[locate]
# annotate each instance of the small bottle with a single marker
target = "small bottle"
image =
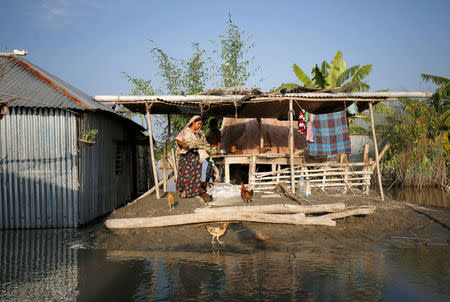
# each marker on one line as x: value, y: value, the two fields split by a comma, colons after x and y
x: 308, y: 187
x: 302, y: 186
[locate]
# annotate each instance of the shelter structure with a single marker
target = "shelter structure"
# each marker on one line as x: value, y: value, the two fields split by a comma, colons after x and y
x: 52, y: 174
x: 281, y: 106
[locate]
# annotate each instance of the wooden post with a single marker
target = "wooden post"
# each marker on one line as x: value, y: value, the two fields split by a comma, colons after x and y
x: 366, y: 154
x: 165, y: 155
x: 274, y: 169
x: 372, y: 125
x: 175, y: 164
x: 291, y: 144
x: 164, y: 159
x: 366, y: 181
x: 252, y: 169
x: 346, y: 178
x: 261, y: 136
x: 152, y: 154
x: 227, y: 170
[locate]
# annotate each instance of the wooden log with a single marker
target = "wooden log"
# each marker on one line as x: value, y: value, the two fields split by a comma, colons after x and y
x: 277, y: 209
x: 172, y: 220
x: 284, y: 188
x: 377, y: 157
x: 357, y: 211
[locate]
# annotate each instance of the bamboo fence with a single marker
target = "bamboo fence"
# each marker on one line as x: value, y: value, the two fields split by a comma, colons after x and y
x: 320, y: 175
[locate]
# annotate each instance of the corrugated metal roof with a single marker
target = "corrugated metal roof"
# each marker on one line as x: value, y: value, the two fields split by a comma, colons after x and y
x: 36, y: 87
x: 251, y: 106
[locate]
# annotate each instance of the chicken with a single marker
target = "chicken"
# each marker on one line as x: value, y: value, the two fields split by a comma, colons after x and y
x: 206, y: 197
x: 170, y: 200
x: 246, y: 194
x: 216, y: 232
x: 234, y: 149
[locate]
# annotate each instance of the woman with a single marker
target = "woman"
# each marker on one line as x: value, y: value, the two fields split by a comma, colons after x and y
x: 192, y: 148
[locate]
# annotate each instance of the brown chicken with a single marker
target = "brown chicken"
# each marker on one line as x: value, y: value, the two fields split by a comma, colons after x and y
x: 216, y: 232
x: 170, y: 200
x: 206, y: 197
x: 246, y: 194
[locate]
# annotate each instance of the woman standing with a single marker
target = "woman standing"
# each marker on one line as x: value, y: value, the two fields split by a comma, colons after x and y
x: 192, y: 148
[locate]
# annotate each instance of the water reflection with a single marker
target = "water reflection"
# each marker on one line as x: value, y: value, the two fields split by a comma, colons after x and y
x: 50, y: 265
x: 428, y: 196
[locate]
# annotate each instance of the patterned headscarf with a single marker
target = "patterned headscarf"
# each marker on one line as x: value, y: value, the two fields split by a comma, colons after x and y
x: 180, y: 135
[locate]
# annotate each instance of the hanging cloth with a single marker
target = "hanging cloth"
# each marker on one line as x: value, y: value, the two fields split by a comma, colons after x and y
x: 331, y: 135
x: 309, y: 128
x: 302, y: 122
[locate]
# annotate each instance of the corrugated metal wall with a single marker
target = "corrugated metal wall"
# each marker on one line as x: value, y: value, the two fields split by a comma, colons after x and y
x: 38, y: 169
x: 106, y: 168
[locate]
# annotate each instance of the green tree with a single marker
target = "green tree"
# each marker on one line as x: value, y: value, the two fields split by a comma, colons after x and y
x: 190, y: 76
x: 417, y: 155
x: 235, y: 63
x: 440, y: 100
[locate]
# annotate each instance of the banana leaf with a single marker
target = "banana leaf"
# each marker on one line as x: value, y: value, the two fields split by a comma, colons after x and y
x: 302, y: 76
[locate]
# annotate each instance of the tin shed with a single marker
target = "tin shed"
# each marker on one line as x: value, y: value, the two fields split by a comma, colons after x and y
x: 48, y: 177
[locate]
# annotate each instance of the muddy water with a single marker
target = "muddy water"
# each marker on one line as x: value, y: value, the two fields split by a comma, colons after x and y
x: 428, y: 196
x: 59, y: 265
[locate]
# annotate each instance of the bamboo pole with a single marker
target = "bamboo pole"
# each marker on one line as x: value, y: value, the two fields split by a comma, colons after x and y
x: 291, y: 144
x: 381, y: 155
x: 377, y: 158
x: 165, y: 155
x: 152, y: 154
x: 175, y: 164
x: 171, y: 174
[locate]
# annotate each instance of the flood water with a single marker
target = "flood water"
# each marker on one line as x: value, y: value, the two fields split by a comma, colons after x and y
x: 59, y: 265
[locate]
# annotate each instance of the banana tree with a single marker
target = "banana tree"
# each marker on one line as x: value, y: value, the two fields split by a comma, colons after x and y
x: 335, y: 74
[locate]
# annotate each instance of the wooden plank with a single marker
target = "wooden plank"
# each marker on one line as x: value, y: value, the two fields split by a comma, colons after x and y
x: 352, y: 212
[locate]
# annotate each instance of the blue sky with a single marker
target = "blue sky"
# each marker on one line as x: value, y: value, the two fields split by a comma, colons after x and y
x: 88, y: 43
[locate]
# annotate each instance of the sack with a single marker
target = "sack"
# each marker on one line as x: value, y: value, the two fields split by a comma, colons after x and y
x: 225, y: 192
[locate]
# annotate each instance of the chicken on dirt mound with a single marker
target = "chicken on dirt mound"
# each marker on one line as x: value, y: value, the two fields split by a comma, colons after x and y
x: 246, y: 194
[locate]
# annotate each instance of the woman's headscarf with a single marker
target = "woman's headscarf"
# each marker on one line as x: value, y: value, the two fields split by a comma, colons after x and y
x: 180, y: 135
